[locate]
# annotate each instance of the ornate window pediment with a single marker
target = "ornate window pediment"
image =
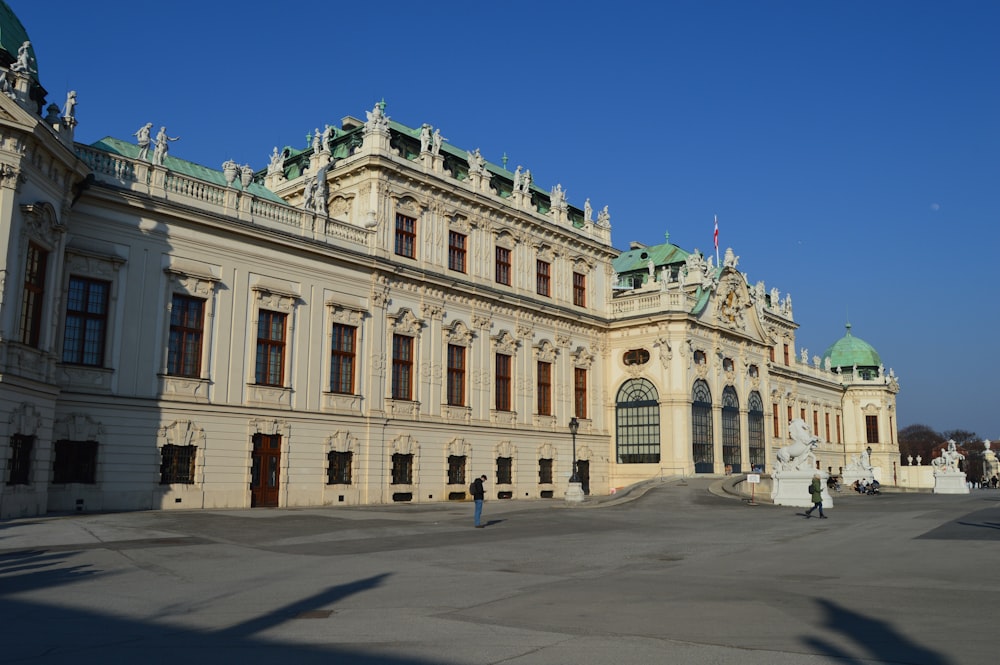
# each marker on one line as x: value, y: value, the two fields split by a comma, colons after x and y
x: 42, y: 223
x: 505, y: 343
x: 545, y: 351
x: 405, y: 322
x: 459, y: 334
x: 346, y: 314
x: 582, y: 358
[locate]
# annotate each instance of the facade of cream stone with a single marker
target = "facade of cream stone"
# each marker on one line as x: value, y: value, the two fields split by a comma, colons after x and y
x: 404, y: 245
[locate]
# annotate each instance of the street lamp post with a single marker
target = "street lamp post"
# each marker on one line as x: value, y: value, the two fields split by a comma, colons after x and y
x: 574, y: 427
x: 574, y: 491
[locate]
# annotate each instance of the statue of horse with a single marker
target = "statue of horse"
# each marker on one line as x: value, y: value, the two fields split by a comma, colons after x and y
x: 795, y: 455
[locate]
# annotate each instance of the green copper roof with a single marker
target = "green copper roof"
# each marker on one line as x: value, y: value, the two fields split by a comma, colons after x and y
x: 849, y: 351
x: 638, y: 259
x: 12, y: 35
x: 131, y: 150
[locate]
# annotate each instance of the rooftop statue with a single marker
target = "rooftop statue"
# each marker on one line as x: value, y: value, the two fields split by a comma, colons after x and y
x: 276, y: 165
x: 69, y: 108
x: 476, y: 161
x: 378, y: 121
x: 142, y: 138
x: 517, y: 179
x: 22, y: 64
x: 588, y: 211
x: 325, y: 139
x: 436, y: 141
x: 316, y: 141
x: 161, y: 146
x: 604, y: 218
x: 558, y: 196
x: 425, y: 137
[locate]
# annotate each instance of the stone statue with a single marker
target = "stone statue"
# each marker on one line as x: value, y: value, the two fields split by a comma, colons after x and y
x: 517, y: 179
x: 588, y: 211
x: 69, y: 109
x: 425, y: 137
x: 160, y: 148
x: 804, y: 356
x: 651, y: 269
x: 476, y: 161
x: 730, y: 260
x: 320, y: 190
x: 949, y: 459
x: 558, y: 196
x: 378, y: 121
x: 276, y: 165
x: 436, y: 141
x: 324, y: 142
x: 142, y: 138
x: 22, y: 64
x: 798, y: 454
x: 526, y: 181
x: 604, y: 218
x: 316, y: 142
x: 309, y: 194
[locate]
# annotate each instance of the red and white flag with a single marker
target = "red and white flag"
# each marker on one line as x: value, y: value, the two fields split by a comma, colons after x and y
x: 716, y: 233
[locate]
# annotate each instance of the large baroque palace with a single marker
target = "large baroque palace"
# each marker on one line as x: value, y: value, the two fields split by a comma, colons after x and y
x: 377, y: 318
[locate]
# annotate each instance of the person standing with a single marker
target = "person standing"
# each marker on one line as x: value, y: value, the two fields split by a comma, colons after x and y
x: 816, y: 490
x: 477, y: 495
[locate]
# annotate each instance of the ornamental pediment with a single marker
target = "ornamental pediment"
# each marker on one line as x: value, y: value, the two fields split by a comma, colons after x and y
x: 735, y: 308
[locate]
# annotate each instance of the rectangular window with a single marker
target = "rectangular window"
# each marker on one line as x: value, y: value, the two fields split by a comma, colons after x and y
x: 456, y: 251
x: 187, y: 330
x: 86, y: 322
x: 789, y: 414
x: 74, y: 462
x: 786, y: 354
x: 503, y: 265
x: 802, y: 414
x: 20, y: 459
x: 456, y: 375
x: 34, y: 295
x: 580, y: 392
x: 545, y: 472
x: 406, y: 236
x: 402, y: 469
x: 771, y: 353
x: 456, y: 469
x: 871, y: 428
x: 579, y: 289
x: 777, y: 422
x: 503, y: 382
x: 177, y: 464
x: 816, y: 423
x: 505, y: 467
x: 342, y: 359
x: 270, y: 348
x: 402, y: 367
x: 338, y: 471
x: 826, y: 417
x: 838, y: 429
x: 542, y: 277
x: 544, y: 388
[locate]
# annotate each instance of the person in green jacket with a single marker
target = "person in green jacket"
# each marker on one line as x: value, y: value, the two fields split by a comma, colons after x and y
x: 816, y: 489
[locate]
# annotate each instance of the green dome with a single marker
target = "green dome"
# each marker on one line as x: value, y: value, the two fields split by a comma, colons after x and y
x: 849, y: 351
x: 12, y: 36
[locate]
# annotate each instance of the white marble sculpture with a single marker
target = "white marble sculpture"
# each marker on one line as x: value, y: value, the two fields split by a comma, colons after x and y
x: 949, y: 459
x: 161, y: 145
x: 799, y: 453
x: 142, y: 137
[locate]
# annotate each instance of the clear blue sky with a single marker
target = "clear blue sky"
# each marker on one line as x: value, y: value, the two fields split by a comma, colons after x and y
x: 849, y: 147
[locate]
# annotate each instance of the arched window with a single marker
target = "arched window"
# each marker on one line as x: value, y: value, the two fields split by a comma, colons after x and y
x: 755, y: 427
x: 702, y: 436
x: 637, y: 416
x: 731, y: 430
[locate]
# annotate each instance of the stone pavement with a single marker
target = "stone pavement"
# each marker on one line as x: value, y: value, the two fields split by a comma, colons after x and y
x: 673, y: 575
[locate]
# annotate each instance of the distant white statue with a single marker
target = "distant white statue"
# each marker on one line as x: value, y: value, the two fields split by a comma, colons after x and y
x: 588, y: 211
x: 161, y: 146
x: 604, y: 218
x: 69, y: 109
x: 558, y: 196
x: 22, y: 64
x: 476, y: 161
x: 142, y: 137
x: 798, y: 454
x: 436, y: 142
x: 730, y: 260
x: 378, y: 121
x: 276, y: 165
x: 425, y: 137
x: 517, y: 179
x: 949, y: 459
x: 325, y: 139
x: 526, y: 181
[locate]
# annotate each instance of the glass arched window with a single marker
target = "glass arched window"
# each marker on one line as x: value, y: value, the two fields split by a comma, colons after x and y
x: 755, y: 428
x: 701, y: 428
x: 731, y: 430
x: 637, y: 418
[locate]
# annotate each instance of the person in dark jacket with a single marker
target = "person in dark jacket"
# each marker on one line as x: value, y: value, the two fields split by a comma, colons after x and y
x: 477, y: 494
x: 816, y: 490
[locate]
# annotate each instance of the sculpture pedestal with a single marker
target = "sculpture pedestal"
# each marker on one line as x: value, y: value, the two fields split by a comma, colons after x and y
x: 950, y: 483
x: 574, y: 493
x: 791, y: 488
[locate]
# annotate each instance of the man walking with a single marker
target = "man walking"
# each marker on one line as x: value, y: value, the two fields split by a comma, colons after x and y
x: 477, y: 494
x: 816, y: 490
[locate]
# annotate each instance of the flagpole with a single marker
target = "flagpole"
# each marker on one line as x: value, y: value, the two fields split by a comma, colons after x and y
x: 716, y: 237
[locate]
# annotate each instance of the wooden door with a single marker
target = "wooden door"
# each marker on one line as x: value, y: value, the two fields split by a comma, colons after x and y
x: 265, y: 467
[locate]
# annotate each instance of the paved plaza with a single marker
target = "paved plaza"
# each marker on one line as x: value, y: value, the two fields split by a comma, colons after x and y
x: 672, y: 575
